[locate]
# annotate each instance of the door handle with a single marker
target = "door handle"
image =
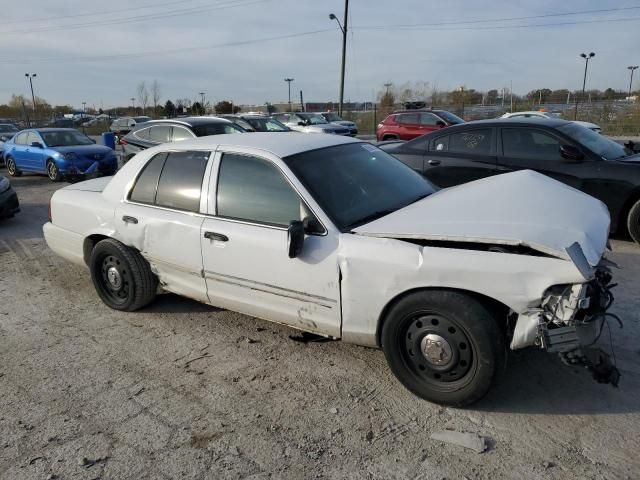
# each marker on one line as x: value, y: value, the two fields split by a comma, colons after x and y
x: 128, y: 219
x: 434, y: 162
x: 216, y: 236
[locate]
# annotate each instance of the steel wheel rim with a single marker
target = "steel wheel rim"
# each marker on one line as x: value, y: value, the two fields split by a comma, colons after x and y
x: 445, y: 367
x: 11, y: 166
x: 52, y: 170
x: 114, y: 279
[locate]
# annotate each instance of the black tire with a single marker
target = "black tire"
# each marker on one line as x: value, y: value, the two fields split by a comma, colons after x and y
x: 132, y: 286
x: 53, y: 172
x: 12, y: 168
x: 389, y: 137
x: 474, y: 353
x: 633, y: 222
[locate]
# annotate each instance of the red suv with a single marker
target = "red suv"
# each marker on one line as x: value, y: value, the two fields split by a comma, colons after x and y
x: 410, y: 124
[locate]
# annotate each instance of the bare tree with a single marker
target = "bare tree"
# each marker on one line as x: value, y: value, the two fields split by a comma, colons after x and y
x: 143, y: 95
x: 155, y: 96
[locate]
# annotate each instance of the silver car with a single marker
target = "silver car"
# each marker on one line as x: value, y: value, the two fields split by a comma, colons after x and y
x: 310, y: 123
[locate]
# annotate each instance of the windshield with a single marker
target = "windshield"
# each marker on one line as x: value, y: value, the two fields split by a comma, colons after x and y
x: 357, y: 183
x: 217, y: 128
x: 65, y: 138
x: 267, y: 125
x: 597, y: 143
x: 332, y: 117
x: 313, y: 118
x: 450, y: 117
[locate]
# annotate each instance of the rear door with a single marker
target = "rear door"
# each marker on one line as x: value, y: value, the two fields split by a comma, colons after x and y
x: 161, y: 218
x: 528, y: 147
x: 461, y: 157
x: 409, y: 126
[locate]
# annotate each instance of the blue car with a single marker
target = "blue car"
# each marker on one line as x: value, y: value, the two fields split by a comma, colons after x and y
x: 57, y: 152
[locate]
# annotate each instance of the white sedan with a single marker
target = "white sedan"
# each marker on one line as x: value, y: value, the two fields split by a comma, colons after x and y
x: 543, y: 115
x: 333, y: 236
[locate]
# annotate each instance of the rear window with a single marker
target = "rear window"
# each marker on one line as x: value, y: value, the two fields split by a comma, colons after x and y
x: 215, y: 129
x: 172, y: 180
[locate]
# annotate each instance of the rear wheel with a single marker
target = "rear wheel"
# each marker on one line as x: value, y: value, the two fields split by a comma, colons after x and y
x: 53, y: 172
x: 121, y: 276
x: 444, y: 346
x: 12, y: 167
x: 389, y: 137
x: 633, y: 222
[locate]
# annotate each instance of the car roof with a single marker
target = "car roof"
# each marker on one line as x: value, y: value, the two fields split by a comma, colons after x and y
x: 547, y: 122
x: 189, y: 121
x: 50, y: 129
x: 281, y: 144
x: 419, y: 110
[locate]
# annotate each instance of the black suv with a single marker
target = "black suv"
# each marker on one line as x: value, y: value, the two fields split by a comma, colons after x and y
x: 155, y: 132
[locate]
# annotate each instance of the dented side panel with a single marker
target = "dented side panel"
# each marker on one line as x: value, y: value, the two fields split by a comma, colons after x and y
x: 377, y: 270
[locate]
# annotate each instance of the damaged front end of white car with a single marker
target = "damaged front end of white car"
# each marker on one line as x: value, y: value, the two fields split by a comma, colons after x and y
x: 569, y: 322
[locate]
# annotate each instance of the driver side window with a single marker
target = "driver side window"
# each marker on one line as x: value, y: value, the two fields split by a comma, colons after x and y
x: 254, y: 190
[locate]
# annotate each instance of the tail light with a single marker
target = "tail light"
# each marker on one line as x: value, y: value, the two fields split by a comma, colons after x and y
x: 122, y: 141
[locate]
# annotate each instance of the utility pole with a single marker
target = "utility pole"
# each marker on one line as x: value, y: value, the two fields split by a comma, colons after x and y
x: 344, y: 30
x: 84, y: 109
x: 462, y: 96
x: 201, y: 98
x: 133, y: 104
x: 632, y: 69
x: 289, y: 80
x: 387, y: 86
x: 511, y: 92
x: 33, y: 97
x: 584, y: 81
x: 302, y: 102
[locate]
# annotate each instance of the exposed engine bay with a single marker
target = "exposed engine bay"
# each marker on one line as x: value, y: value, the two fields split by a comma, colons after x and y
x: 570, y: 322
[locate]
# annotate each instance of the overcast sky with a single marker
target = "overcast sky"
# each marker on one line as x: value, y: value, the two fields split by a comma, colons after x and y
x: 96, y: 51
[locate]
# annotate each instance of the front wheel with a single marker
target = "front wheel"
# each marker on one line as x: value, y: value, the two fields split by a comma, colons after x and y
x: 121, y: 276
x: 444, y: 346
x: 633, y: 222
x: 12, y: 168
x: 53, y: 172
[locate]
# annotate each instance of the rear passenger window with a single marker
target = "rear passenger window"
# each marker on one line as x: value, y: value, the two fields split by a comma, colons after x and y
x: 142, y: 134
x: 441, y: 144
x: 472, y: 142
x: 160, y: 134
x: 409, y: 118
x: 144, y: 191
x: 180, y: 133
x: 180, y: 182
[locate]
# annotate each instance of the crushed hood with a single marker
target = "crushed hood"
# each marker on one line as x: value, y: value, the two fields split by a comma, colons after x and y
x: 521, y: 208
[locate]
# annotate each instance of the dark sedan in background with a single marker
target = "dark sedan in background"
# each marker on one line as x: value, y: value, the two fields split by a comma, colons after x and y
x: 7, y: 131
x: 155, y: 132
x: 562, y: 150
x: 9, y: 204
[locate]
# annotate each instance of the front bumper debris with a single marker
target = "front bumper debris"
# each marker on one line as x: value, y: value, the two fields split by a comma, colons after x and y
x: 570, y: 322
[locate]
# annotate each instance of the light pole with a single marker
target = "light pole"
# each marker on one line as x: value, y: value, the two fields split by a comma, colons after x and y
x: 462, y: 96
x: 632, y: 69
x: 202, y: 99
x: 540, y: 98
x: 133, y: 104
x: 84, y: 109
x: 343, y: 29
x: 33, y: 97
x: 584, y: 81
x: 289, y: 80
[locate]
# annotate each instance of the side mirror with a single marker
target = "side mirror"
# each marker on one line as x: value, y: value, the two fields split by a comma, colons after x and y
x: 441, y: 124
x: 295, y: 238
x: 631, y: 145
x: 571, y: 153
x: 36, y: 145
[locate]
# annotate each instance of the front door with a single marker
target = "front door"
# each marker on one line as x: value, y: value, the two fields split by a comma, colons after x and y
x: 245, y: 255
x: 161, y: 218
x: 539, y: 150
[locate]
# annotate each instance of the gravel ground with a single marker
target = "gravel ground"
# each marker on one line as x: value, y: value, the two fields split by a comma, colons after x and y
x: 184, y: 390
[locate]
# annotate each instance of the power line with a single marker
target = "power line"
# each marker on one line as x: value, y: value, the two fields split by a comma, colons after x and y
x: 139, y: 18
x: 494, y: 20
x: 158, y: 52
x: 89, y: 14
x: 534, y: 25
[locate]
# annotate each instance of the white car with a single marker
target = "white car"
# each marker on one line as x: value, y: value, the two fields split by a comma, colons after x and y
x: 536, y: 114
x: 333, y: 236
x: 310, y: 123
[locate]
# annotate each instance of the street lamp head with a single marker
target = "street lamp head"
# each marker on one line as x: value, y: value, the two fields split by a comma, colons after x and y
x: 632, y: 67
x: 583, y: 55
x: 592, y: 55
x: 332, y: 17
